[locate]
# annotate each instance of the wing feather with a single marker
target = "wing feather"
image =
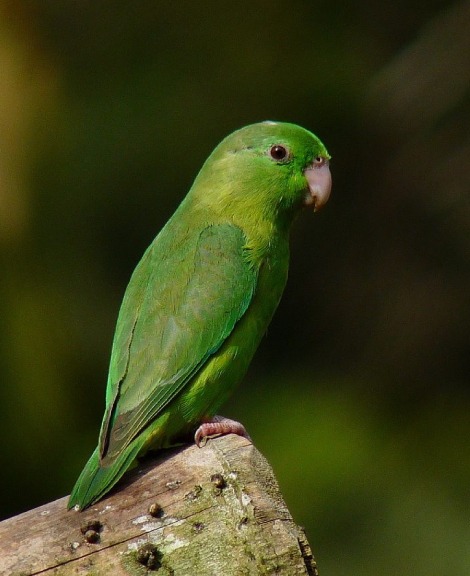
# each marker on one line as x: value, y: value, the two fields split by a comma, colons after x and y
x: 180, y: 306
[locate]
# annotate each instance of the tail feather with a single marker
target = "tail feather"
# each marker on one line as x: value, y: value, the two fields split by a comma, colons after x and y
x: 95, y: 481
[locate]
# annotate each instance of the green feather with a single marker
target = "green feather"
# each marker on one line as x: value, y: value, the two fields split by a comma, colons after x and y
x: 200, y: 300
x: 188, y: 313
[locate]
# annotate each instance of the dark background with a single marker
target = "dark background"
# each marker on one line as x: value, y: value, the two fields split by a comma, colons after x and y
x: 359, y: 395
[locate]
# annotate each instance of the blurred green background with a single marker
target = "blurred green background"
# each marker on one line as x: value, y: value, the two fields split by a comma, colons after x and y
x: 359, y: 396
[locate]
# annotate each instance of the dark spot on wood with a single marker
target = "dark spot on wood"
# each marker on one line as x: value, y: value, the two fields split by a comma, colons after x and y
x: 218, y: 480
x: 148, y: 555
x: 91, y: 531
x: 198, y: 526
x: 155, y: 510
x: 91, y: 525
x: 92, y: 536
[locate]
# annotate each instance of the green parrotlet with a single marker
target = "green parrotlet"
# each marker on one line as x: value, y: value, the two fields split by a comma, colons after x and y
x: 201, y: 298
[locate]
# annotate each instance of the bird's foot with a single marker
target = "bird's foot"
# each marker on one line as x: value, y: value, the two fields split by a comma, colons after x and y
x: 218, y: 426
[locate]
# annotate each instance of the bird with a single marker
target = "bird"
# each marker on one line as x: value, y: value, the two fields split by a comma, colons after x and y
x: 201, y: 298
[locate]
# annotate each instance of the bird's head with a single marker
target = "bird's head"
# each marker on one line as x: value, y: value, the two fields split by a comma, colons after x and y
x: 277, y: 166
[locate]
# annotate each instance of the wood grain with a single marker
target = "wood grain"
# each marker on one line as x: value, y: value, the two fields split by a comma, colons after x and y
x: 191, y: 511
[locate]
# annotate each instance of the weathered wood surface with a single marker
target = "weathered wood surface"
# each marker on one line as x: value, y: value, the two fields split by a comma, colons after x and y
x: 215, y: 510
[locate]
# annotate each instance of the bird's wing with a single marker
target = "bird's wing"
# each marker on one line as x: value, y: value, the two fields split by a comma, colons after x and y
x: 178, y: 310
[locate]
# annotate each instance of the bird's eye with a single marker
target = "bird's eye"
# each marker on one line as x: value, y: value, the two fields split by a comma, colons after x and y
x: 319, y: 161
x: 278, y: 153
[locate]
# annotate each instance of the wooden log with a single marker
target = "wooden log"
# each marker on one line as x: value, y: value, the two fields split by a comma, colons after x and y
x: 191, y: 511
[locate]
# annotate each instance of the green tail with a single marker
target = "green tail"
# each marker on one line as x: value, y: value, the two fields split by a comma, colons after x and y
x: 95, y: 481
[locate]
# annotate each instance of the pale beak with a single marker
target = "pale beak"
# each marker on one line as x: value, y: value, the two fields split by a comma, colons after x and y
x: 319, y: 184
